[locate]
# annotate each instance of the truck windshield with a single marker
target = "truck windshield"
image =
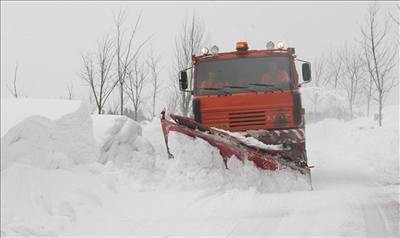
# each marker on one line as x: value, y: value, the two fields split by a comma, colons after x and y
x: 242, y: 75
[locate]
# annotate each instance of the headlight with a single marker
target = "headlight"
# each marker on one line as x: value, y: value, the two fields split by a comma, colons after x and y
x: 280, y: 45
x: 204, y: 50
x: 214, y: 50
x: 270, y: 45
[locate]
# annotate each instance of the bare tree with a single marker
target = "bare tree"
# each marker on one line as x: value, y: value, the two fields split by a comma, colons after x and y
x: 90, y: 94
x: 14, y: 90
x: 318, y: 81
x: 137, y: 76
x: 353, y: 75
x: 97, y: 73
x: 125, y: 52
x: 173, y: 94
x: 335, y: 67
x: 368, y: 90
x: 153, y: 65
x: 394, y: 18
x: 334, y: 74
x: 70, y: 87
x: 188, y: 43
x: 113, y: 108
x: 380, y: 55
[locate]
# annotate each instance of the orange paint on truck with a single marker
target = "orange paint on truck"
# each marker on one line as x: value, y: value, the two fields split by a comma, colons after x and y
x: 239, y: 111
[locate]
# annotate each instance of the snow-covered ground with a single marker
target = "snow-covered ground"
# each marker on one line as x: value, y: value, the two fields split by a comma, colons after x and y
x: 65, y: 172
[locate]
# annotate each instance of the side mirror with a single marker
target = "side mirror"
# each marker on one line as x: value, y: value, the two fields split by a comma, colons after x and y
x: 306, y: 71
x: 183, y: 81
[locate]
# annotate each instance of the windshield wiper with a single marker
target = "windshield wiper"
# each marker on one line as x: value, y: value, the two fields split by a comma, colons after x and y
x: 212, y: 88
x: 241, y: 87
x: 215, y: 89
x: 266, y: 85
x: 261, y: 84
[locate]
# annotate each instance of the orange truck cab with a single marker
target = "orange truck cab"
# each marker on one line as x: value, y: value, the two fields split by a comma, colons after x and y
x: 253, y: 93
x: 247, y: 90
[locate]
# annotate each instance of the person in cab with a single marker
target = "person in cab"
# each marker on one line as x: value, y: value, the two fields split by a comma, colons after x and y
x: 210, y: 82
x: 275, y: 75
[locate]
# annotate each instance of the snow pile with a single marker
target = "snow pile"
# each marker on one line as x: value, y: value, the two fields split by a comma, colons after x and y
x: 126, y: 147
x: 198, y: 165
x: 45, y: 143
x: 251, y: 141
x: 48, y: 166
x: 101, y: 125
x: 15, y: 111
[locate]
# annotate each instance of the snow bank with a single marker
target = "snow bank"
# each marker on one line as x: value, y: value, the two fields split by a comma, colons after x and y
x: 141, y: 151
x: 101, y: 125
x: 14, y: 111
x: 47, y: 143
x: 126, y: 147
x: 357, y: 145
x: 198, y: 165
x: 48, y: 160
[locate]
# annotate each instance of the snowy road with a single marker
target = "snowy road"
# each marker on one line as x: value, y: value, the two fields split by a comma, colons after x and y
x: 339, y: 205
x: 140, y: 192
x: 350, y: 198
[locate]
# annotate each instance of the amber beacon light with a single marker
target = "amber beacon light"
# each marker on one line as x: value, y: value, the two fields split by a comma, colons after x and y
x: 241, y: 46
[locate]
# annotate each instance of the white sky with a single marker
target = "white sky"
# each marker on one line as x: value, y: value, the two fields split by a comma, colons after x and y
x: 47, y: 37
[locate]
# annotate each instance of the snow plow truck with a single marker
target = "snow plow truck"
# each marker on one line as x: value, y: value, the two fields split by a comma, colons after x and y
x: 247, y: 104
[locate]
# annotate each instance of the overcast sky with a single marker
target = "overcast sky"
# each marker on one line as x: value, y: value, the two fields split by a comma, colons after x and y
x: 46, y: 38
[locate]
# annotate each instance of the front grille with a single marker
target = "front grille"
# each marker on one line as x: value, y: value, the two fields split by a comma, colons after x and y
x: 238, y: 119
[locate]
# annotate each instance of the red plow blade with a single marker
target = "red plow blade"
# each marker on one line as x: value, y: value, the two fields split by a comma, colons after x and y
x: 228, y: 145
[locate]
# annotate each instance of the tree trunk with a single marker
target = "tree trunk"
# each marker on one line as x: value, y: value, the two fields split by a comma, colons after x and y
x: 380, y: 108
x: 136, y: 112
x: 351, y: 110
x: 154, y: 103
x: 122, y: 98
x: 369, y: 96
